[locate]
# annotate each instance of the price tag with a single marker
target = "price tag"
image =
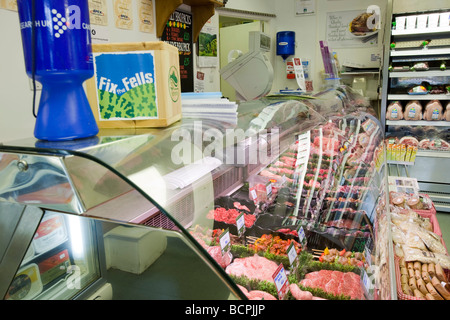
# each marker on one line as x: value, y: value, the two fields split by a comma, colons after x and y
x: 301, y: 236
x: 367, y: 283
x: 367, y: 255
x: 253, y: 195
x: 281, y: 281
x: 240, y: 223
x: 225, y: 242
x: 269, y: 188
x: 292, y: 254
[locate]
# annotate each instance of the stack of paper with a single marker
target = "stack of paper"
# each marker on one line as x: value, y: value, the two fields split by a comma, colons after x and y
x: 187, y: 175
x: 209, y: 106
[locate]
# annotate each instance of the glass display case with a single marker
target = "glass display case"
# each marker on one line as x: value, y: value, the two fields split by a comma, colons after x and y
x: 289, y: 203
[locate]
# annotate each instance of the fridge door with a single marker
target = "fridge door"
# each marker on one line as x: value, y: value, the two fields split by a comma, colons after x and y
x: 62, y: 260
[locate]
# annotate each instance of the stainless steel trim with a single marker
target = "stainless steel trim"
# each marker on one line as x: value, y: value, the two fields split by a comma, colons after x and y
x: 24, y: 231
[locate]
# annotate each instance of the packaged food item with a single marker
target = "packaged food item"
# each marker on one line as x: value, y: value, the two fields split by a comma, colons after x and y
x: 420, y: 66
x: 53, y: 267
x: 26, y: 284
x: 418, y: 90
x: 394, y: 111
x: 433, y: 111
x: 413, y: 111
x: 446, y: 115
x: 50, y: 233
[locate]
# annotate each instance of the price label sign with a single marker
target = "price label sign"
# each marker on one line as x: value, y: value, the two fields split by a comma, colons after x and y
x: 253, y: 195
x: 269, y: 188
x: 301, y: 236
x: 367, y: 255
x: 225, y: 242
x: 240, y: 223
x: 292, y: 254
x: 281, y: 281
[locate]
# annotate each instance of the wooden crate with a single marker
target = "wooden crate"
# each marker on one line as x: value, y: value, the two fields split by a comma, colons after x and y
x: 136, y: 85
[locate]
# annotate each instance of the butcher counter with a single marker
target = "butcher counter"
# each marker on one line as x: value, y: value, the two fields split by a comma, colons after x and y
x: 204, y: 209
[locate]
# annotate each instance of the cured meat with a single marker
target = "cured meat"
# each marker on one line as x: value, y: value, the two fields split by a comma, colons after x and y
x: 254, y: 267
x: 413, y: 111
x: 394, y: 111
x: 299, y: 294
x: 433, y: 111
x: 424, y: 144
x: 434, y: 144
x: 335, y: 282
x: 409, y: 141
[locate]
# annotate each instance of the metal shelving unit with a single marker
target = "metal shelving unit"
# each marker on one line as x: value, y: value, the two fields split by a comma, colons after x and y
x: 430, y: 166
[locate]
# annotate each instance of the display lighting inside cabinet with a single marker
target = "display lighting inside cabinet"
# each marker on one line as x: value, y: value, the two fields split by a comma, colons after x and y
x: 76, y: 237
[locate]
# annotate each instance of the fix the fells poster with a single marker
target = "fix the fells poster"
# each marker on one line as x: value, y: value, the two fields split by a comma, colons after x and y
x: 178, y: 32
x: 126, y: 91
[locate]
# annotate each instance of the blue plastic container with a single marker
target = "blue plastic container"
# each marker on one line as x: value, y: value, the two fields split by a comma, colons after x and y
x: 285, y: 44
x: 63, y: 61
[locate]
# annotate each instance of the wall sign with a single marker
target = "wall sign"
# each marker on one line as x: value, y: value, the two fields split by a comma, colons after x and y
x: 350, y: 29
x: 123, y: 14
x: 178, y: 32
x: 98, y: 12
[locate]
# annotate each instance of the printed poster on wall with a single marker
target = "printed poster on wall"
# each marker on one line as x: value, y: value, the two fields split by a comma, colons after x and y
x: 178, y: 32
x: 207, y: 47
x: 351, y: 29
x: 98, y: 12
x: 145, y: 9
x: 123, y: 14
x: 127, y: 91
x: 8, y: 4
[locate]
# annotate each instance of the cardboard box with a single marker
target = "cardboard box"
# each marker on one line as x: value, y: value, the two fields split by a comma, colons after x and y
x: 135, y: 85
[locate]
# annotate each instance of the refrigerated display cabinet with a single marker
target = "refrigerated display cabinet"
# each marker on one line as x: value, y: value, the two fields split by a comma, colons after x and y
x: 144, y: 213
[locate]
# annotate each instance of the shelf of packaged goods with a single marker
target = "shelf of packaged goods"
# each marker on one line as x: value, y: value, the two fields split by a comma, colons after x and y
x: 423, y: 32
x: 420, y: 52
x: 419, y: 97
x: 418, y: 123
x: 414, y: 74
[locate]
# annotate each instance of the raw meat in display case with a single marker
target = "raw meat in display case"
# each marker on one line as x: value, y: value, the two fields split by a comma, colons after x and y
x: 247, y: 223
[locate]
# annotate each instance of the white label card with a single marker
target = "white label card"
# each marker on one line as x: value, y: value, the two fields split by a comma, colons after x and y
x: 225, y: 241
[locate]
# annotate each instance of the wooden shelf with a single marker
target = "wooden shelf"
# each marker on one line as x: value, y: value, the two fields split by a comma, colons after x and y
x: 202, y: 11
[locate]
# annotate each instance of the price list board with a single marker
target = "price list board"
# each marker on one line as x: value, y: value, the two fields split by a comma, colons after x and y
x: 178, y: 32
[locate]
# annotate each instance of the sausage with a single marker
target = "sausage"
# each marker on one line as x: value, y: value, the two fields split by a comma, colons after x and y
x: 440, y: 274
x: 426, y: 277
x: 433, y: 292
x: 422, y: 286
x: 418, y: 294
x: 406, y: 289
x: 431, y: 270
x: 412, y: 283
x: 417, y: 266
x: 417, y: 275
x: 440, y: 288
